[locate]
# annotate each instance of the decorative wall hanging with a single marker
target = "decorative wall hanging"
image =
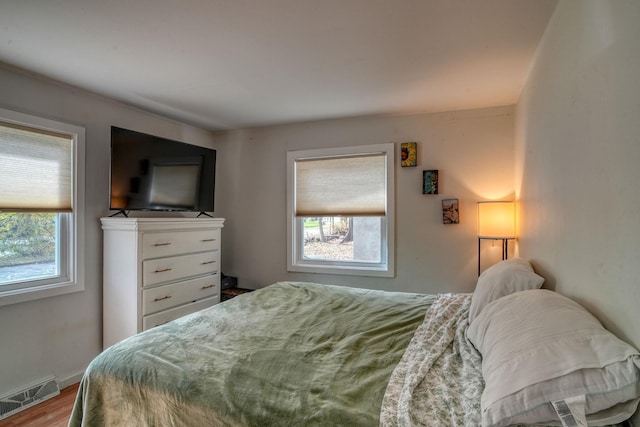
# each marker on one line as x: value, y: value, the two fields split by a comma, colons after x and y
x: 450, y: 211
x: 408, y: 154
x: 430, y: 182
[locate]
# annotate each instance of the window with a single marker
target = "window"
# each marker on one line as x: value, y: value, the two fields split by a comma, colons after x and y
x: 41, y: 207
x: 340, y: 210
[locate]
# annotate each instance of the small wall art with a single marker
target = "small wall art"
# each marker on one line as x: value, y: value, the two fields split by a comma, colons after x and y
x: 430, y: 182
x: 450, y: 211
x: 409, y: 154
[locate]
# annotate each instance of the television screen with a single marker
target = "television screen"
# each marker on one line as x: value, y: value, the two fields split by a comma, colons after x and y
x: 152, y: 173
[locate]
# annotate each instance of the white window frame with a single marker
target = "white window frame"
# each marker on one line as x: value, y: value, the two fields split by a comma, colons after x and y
x: 295, y: 233
x: 71, y: 225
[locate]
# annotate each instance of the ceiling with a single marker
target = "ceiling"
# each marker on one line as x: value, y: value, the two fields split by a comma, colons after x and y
x: 225, y: 64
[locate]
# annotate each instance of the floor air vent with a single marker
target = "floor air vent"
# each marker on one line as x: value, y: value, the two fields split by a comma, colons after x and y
x: 35, y: 393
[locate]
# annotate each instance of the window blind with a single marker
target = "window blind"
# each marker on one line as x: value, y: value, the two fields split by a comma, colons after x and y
x: 36, y: 170
x: 341, y: 186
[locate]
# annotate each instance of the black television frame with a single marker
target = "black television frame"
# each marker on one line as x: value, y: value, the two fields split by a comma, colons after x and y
x: 135, y: 156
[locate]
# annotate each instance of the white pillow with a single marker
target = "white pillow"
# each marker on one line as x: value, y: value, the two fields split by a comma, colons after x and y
x: 538, y: 347
x: 503, y: 278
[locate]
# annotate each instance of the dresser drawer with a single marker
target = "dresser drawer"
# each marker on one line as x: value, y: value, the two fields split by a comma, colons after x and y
x: 156, y: 245
x: 163, y: 317
x: 174, y: 294
x: 155, y: 270
x: 170, y: 269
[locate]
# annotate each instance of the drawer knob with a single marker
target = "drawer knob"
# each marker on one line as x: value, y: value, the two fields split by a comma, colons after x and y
x: 162, y: 298
x: 207, y: 262
x: 208, y: 286
x: 208, y: 240
x: 162, y: 244
x: 162, y: 270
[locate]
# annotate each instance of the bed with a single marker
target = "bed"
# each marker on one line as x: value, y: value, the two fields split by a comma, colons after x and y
x: 304, y: 354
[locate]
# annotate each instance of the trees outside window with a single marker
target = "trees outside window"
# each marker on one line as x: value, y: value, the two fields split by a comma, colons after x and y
x: 28, y: 247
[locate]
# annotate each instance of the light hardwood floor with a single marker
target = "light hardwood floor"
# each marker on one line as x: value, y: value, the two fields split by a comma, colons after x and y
x: 53, y: 412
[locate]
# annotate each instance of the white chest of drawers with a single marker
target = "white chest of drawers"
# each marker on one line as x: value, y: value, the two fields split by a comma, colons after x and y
x: 156, y: 270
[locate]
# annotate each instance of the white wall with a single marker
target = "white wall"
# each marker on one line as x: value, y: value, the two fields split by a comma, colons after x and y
x: 578, y: 145
x: 473, y: 150
x: 579, y: 155
x: 60, y: 335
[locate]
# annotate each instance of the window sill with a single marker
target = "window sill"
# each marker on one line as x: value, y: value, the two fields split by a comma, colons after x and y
x: 39, y: 292
x: 342, y: 270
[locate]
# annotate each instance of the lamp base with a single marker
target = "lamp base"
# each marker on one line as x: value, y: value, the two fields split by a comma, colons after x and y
x: 505, y: 249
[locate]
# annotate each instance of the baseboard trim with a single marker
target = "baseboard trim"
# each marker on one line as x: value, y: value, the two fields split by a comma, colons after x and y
x: 70, y: 380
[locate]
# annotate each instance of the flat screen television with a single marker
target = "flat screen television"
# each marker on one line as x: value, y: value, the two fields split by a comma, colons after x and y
x: 157, y: 174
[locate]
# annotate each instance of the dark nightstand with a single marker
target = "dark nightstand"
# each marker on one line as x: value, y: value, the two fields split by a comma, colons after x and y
x: 229, y: 293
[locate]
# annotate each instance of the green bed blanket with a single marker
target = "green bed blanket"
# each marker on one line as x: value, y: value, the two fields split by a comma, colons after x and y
x: 291, y: 354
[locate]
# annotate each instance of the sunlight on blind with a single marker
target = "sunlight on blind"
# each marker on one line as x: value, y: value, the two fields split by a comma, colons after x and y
x: 37, y: 170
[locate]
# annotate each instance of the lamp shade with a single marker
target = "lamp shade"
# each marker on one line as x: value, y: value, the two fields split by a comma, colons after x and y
x: 496, y: 220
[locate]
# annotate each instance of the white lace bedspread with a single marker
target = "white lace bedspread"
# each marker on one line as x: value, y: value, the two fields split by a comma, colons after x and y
x: 438, y: 381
